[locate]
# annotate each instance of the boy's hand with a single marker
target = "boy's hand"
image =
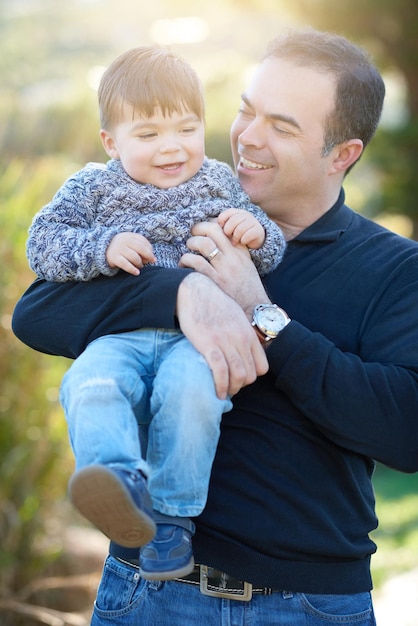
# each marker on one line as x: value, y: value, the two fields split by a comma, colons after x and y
x: 242, y: 227
x: 129, y: 252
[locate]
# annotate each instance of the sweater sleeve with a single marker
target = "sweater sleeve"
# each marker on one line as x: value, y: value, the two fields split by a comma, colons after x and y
x: 64, y: 243
x: 366, y: 402
x: 63, y: 318
x: 268, y: 257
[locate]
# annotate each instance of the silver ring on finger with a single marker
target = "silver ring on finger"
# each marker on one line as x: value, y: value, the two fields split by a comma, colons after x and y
x: 212, y: 255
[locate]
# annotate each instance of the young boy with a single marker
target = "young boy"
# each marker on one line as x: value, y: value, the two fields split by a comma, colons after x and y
x: 139, y: 209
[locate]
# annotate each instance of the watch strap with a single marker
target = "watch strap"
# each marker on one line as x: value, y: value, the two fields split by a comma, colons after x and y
x: 261, y: 336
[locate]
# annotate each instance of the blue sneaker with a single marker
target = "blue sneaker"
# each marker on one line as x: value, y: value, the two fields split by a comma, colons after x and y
x: 169, y: 555
x: 116, y: 501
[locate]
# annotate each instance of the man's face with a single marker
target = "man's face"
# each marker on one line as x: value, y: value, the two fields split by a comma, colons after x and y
x: 278, y: 135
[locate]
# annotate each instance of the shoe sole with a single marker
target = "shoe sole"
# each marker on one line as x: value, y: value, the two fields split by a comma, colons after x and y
x: 104, y: 500
x: 169, y: 575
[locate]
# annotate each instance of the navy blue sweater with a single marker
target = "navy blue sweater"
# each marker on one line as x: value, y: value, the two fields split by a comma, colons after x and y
x: 291, y: 502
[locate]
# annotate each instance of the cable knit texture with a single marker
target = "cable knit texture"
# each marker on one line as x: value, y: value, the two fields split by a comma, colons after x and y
x: 69, y: 237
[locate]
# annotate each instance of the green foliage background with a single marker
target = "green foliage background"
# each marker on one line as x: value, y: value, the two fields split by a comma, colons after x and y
x: 49, y: 128
x: 33, y: 447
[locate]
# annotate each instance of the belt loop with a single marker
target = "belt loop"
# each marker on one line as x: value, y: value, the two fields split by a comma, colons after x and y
x: 267, y: 591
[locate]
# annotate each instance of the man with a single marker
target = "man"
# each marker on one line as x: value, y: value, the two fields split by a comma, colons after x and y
x: 291, y: 503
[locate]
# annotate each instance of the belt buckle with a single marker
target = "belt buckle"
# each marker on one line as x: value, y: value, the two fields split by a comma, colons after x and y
x: 245, y: 594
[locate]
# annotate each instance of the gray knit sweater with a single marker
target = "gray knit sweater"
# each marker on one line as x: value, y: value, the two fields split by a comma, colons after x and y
x: 69, y: 237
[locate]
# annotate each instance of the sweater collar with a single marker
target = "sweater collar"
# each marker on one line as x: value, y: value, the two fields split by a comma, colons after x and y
x: 330, y: 225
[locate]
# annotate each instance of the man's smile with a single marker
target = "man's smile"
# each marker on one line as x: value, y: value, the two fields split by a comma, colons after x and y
x: 251, y: 165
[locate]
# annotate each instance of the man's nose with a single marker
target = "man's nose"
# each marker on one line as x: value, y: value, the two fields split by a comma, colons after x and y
x: 252, y: 134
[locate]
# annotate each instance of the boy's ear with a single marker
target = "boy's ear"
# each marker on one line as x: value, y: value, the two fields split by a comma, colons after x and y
x: 109, y: 144
x: 347, y: 153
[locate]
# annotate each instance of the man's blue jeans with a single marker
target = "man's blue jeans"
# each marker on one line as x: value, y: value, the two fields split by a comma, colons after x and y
x: 157, y: 381
x: 124, y: 599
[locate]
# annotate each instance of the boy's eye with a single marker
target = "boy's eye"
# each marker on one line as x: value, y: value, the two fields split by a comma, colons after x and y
x: 146, y: 136
x: 188, y: 130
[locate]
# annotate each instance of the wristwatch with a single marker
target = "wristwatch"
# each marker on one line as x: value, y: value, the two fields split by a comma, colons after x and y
x: 268, y: 321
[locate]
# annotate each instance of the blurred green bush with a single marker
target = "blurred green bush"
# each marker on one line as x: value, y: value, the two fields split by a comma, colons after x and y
x: 34, y: 455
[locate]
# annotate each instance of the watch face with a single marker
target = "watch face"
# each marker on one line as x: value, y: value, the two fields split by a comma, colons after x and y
x: 270, y: 321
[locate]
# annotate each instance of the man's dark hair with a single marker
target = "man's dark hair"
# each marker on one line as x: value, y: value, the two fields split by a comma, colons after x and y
x: 359, y: 91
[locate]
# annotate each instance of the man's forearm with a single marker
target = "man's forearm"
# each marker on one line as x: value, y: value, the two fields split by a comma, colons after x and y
x: 219, y: 329
x: 63, y: 318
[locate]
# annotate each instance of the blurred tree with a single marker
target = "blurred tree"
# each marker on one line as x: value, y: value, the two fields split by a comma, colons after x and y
x: 389, y: 30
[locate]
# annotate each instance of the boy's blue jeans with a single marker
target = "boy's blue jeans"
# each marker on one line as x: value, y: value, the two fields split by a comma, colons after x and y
x: 157, y: 381
x: 124, y: 599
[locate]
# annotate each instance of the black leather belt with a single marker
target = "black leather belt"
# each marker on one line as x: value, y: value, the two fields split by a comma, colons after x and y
x: 214, y: 583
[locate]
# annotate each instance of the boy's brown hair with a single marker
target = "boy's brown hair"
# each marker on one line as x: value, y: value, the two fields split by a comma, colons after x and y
x: 145, y: 78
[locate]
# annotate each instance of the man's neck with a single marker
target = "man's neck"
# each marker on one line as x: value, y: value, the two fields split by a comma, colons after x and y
x: 293, y: 222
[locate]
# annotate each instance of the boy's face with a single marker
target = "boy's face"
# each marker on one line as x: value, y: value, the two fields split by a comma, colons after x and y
x: 162, y: 151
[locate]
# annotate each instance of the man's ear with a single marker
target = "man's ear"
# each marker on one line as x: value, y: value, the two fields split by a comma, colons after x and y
x: 346, y: 154
x: 109, y: 144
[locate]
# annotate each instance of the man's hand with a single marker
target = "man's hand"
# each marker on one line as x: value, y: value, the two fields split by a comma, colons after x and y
x: 220, y: 331
x: 214, y: 314
x: 129, y: 252
x: 231, y: 269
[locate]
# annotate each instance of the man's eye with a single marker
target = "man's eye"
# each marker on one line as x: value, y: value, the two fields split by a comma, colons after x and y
x: 281, y: 131
x: 245, y: 112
